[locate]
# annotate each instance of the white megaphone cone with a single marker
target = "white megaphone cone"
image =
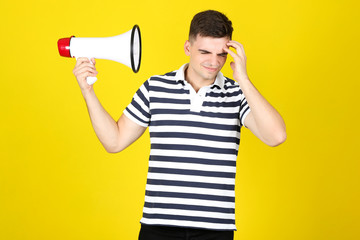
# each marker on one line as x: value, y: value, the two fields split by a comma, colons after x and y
x: 124, y: 48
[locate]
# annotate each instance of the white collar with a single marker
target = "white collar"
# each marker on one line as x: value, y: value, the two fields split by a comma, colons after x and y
x: 180, y: 77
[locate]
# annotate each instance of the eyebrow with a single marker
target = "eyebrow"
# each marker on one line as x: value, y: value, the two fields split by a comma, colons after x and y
x: 220, y: 54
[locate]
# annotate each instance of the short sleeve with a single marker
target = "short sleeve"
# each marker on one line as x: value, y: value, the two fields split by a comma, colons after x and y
x: 139, y: 109
x: 244, y: 109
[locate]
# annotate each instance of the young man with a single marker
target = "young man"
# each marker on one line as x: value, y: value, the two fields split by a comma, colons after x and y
x: 194, y: 116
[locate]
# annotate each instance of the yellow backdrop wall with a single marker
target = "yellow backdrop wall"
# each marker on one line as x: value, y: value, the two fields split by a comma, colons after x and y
x: 57, y: 181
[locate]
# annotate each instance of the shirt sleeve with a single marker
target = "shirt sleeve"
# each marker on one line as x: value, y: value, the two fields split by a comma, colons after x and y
x: 139, y: 109
x: 244, y: 109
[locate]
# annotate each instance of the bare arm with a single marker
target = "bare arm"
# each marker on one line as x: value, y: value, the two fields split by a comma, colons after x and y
x: 114, y: 136
x: 263, y: 120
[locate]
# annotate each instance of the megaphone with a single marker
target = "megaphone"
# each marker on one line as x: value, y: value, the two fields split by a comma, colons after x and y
x: 124, y: 48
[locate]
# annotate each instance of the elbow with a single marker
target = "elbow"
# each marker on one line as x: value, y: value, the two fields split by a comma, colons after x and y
x: 113, y: 149
x: 279, y: 138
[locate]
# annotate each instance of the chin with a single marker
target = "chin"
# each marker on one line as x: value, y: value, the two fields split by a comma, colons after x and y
x: 210, y: 77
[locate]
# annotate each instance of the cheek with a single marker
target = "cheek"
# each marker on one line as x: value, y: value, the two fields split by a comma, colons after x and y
x: 199, y: 59
x: 223, y: 61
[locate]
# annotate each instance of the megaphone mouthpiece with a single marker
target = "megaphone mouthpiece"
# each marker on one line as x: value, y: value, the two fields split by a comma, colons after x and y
x: 64, y: 46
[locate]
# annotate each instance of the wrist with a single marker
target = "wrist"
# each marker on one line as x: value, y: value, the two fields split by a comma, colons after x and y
x: 241, y: 79
x: 88, y: 93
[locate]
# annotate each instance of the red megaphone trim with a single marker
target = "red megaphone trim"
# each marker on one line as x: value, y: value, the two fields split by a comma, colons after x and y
x: 64, y: 46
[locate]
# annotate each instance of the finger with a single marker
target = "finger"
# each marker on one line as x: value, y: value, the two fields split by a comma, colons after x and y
x: 86, y: 74
x: 232, y: 65
x: 233, y: 54
x: 80, y: 73
x: 81, y: 78
x: 238, y: 46
x: 83, y: 64
x: 234, y: 44
x: 86, y: 64
x: 240, y: 53
x: 85, y: 69
x: 81, y: 60
x: 229, y: 52
x: 84, y: 60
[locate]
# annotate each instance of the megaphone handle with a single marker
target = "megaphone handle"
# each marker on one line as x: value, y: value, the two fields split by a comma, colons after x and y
x: 90, y: 80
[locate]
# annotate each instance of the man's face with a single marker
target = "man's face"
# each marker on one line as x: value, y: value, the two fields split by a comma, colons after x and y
x: 207, y: 56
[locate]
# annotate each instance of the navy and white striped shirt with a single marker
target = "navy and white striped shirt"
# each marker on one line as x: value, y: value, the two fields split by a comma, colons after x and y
x: 194, y: 139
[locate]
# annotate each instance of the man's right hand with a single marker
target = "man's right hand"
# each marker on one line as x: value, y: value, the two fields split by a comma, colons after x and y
x: 83, y: 69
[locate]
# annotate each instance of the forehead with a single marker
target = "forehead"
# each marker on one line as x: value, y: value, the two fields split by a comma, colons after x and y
x: 210, y: 43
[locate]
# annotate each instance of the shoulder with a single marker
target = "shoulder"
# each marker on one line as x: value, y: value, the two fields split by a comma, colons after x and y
x: 167, y: 78
x: 158, y: 83
x: 231, y: 85
x: 168, y: 75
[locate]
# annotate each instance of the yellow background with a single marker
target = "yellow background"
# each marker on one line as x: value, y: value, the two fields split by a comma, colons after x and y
x: 57, y: 181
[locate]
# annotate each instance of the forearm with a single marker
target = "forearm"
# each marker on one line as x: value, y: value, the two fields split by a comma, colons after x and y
x: 269, y: 125
x: 104, y: 125
x: 263, y: 120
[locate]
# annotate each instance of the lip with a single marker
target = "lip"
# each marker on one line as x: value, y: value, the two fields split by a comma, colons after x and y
x: 210, y: 69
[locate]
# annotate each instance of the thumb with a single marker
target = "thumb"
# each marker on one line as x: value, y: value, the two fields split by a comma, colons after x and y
x: 232, y: 65
x: 93, y: 60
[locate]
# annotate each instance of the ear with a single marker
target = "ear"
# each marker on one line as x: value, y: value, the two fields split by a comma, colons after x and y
x: 187, y: 47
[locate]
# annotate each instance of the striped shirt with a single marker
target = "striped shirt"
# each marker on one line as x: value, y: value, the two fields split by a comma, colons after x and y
x: 194, y: 139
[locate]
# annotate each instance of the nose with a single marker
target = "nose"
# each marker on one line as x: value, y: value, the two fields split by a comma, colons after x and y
x: 214, y: 61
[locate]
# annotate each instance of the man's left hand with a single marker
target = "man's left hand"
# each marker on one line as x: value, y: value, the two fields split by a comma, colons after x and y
x: 239, y: 66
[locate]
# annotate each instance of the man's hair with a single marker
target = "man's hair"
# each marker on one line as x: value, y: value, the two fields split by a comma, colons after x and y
x: 210, y: 23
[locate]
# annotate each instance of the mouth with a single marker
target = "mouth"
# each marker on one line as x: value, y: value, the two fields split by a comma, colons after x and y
x: 210, y: 69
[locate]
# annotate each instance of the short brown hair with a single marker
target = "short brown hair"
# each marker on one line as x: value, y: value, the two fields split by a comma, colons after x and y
x: 210, y: 23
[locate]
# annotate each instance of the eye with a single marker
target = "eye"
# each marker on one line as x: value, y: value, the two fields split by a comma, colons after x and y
x: 202, y: 51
